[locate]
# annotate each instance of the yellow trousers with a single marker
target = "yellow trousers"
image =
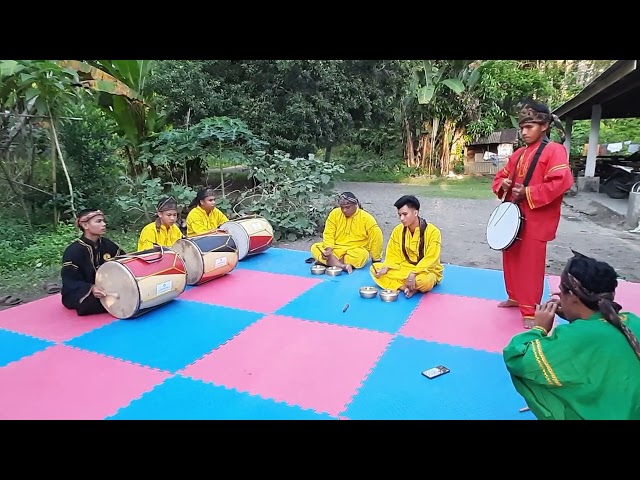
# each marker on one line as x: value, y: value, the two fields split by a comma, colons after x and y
x: 394, y: 279
x: 354, y: 256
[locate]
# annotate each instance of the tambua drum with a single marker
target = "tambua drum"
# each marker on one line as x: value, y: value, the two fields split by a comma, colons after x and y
x: 207, y: 256
x: 253, y: 234
x: 139, y: 282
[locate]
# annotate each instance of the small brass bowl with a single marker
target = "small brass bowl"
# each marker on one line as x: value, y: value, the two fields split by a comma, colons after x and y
x: 389, y: 295
x: 368, y: 292
x: 318, y: 269
x: 334, y: 271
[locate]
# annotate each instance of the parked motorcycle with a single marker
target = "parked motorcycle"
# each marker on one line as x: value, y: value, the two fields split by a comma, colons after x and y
x: 619, y: 183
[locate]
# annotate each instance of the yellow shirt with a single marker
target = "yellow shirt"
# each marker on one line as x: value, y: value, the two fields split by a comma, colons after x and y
x: 198, y: 222
x: 395, y: 259
x: 164, y: 237
x: 360, y: 230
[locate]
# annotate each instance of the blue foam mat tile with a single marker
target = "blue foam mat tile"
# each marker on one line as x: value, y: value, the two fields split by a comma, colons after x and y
x: 324, y: 303
x: 477, y: 388
x: 181, y: 398
x: 279, y: 260
x: 476, y: 283
x: 169, y: 338
x: 15, y: 346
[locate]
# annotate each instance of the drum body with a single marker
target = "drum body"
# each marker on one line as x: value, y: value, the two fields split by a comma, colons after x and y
x: 252, y: 234
x: 207, y: 256
x: 504, y: 226
x: 141, y: 281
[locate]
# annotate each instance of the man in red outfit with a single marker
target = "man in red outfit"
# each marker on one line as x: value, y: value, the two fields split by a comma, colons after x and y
x: 540, y: 201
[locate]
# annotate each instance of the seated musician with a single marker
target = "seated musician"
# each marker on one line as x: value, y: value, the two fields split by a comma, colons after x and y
x: 81, y: 260
x: 351, y: 235
x: 589, y: 368
x: 412, y: 257
x: 163, y: 231
x: 204, y: 216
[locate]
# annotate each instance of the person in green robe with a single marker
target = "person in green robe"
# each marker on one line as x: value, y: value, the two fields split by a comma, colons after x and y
x: 589, y: 368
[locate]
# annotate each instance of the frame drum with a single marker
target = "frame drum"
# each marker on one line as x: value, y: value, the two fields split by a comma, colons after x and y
x: 141, y: 281
x: 253, y: 234
x: 504, y: 226
x: 207, y: 256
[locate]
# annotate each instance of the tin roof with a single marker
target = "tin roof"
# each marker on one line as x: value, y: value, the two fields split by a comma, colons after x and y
x: 509, y: 135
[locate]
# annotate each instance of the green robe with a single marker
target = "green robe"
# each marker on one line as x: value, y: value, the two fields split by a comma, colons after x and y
x: 584, y: 370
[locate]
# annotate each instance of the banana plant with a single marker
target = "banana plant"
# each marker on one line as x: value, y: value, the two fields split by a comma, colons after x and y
x: 38, y: 88
x: 121, y: 89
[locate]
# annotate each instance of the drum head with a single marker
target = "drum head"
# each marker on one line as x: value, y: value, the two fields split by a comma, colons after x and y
x: 114, y: 278
x: 240, y: 236
x: 503, y: 226
x: 192, y: 257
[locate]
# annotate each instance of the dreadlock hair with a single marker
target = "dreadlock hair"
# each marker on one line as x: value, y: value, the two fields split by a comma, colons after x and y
x: 594, y: 283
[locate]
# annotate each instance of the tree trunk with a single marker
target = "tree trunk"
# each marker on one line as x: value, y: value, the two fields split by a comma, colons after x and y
x: 409, y: 154
x: 15, y: 190
x: 54, y: 180
x: 327, y: 152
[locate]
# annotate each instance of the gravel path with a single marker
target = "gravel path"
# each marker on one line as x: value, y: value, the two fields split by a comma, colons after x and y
x: 463, y: 222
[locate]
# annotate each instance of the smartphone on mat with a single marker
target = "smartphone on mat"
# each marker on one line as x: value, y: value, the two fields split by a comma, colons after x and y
x: 435, y: 372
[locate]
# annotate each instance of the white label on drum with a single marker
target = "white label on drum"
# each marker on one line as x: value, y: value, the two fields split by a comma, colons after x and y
x: 163, y: 287
x: 221, y: 262
x: 256, y: 226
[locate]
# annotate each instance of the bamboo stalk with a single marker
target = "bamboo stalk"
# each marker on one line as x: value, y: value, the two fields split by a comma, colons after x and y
x: 64, y: 165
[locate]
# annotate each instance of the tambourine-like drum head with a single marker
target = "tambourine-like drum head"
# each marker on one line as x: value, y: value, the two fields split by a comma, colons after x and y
x: 113, y: 277
x: 252, y: 235
x: 141, y: 281
x: 207, y: 256
x: 503, y: 226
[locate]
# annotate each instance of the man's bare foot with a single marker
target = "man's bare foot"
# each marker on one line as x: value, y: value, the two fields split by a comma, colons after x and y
x: 348, y: 268
x: 409, y: 293
x: 508, y: 304
x: 528, y: 323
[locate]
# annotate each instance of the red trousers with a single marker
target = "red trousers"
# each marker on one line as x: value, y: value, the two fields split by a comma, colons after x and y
x: 524, y: 265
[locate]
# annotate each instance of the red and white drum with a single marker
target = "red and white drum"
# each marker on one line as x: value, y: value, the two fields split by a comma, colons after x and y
x: 207, y: 256
x: 139, y: 282
x: 253, y: 234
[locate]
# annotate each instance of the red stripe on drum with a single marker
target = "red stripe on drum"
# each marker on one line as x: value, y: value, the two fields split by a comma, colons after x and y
x: 169, y: 264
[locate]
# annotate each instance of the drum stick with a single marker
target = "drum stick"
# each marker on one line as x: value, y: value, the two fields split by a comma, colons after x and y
x: 524, y: 409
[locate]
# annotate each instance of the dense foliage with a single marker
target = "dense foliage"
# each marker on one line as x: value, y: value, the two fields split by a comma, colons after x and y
x: 118, y: 134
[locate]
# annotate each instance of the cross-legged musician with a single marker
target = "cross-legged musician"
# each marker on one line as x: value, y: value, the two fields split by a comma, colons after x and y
x: 80, y: 262
x: 163, y: 231
x: 540, y: 203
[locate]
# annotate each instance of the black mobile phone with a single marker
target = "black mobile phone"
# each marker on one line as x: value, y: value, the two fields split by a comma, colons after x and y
x: 435, y: 372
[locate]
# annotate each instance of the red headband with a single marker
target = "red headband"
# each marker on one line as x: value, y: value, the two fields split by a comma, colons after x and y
x: 88, y: 216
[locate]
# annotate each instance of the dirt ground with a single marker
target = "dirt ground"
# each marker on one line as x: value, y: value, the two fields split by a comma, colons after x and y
x: 584, y: 226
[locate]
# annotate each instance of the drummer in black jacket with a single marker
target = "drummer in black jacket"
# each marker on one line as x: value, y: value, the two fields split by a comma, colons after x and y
x: 81, y: 260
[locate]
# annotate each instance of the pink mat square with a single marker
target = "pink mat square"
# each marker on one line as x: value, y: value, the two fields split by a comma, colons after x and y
x: 309, y: 364
x: 463, y: 321
x: 627, y: 293
x: 260, y: 292
x: 62, y: 383
x: 47, y: 318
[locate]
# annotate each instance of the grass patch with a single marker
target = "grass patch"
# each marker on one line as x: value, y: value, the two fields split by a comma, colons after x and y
x: 465, y: 187
x: 32, y: 266
x: 377, y: 177
x: 473, y: 187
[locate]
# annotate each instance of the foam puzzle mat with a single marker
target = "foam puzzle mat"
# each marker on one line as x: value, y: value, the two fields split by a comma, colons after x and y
x: 271, y: 341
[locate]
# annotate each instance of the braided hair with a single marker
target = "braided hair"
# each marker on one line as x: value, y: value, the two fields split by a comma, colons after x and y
x: 594, y: 283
